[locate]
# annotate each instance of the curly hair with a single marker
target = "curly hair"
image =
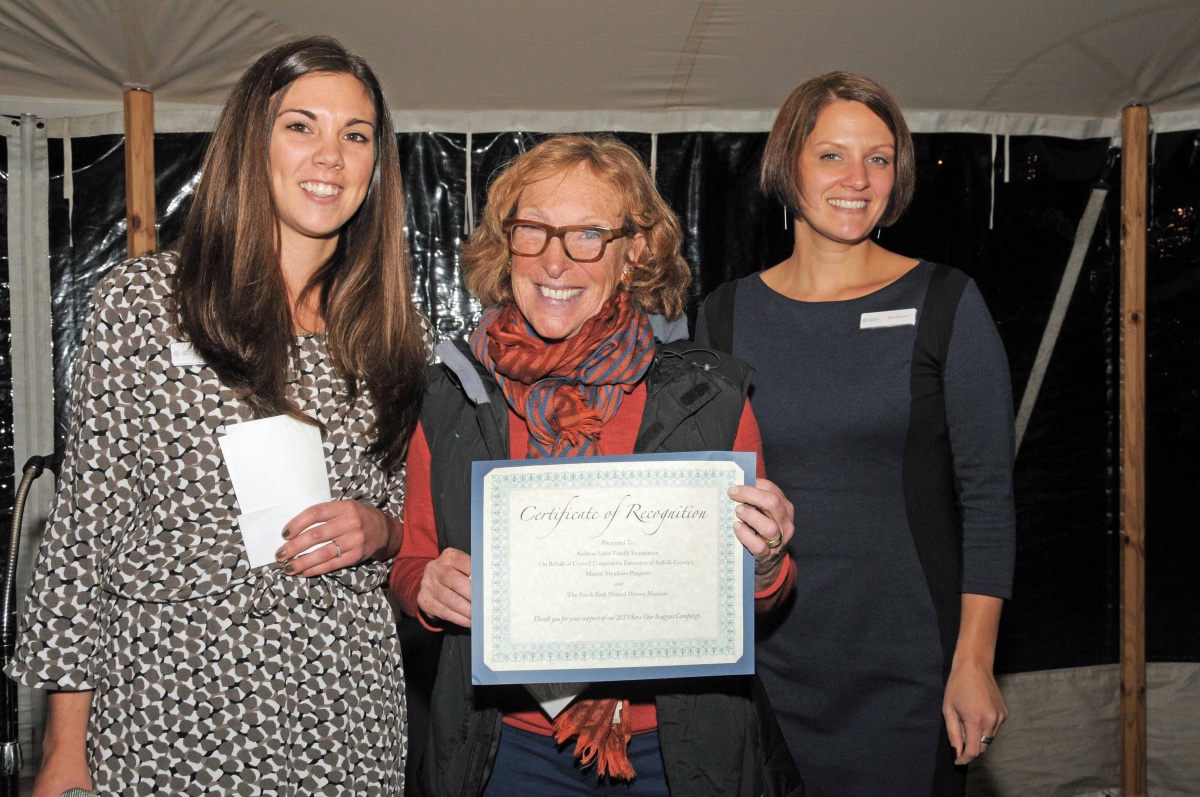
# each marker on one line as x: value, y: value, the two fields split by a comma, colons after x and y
x: 658, y: 281
x: 780, y: 177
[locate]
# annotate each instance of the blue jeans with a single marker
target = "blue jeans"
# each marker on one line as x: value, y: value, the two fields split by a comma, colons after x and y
x: 531, y: 765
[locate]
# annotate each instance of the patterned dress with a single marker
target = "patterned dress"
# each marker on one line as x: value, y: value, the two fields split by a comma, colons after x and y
x: 209, y: 677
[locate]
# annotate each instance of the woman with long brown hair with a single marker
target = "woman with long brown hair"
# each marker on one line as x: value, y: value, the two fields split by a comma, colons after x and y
x: 176, y: 664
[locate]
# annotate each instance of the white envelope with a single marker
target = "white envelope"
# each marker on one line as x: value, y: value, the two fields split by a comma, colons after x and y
x: 277, y: 467
x: 274, y: 459
x: 262, y: 529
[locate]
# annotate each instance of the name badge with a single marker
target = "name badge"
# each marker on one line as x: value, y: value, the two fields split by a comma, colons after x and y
x: 183, y: 355
x: 889, y: 318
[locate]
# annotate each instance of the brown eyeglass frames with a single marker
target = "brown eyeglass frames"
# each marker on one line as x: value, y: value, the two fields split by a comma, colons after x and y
x: 583, y: 243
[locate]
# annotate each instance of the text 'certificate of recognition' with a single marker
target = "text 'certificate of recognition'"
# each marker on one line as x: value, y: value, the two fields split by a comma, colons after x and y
x: 610, y: 568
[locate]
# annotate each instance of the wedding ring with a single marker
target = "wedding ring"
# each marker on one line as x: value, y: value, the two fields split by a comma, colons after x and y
x: 775, y: 543
x: 987, y: 740
x: 339, y: 549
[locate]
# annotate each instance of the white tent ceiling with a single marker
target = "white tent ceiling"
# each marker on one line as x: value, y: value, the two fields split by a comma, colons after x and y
x: 450, y: 64
x: 1060, y: 67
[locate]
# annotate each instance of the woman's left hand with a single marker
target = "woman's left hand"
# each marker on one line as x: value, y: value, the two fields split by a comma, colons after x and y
x: 972, y: 706
x: 355, y: 533
x: 764, y: 526
x: 974, y: 710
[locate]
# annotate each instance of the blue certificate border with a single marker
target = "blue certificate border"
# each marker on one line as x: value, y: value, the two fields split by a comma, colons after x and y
x: 481, y: 674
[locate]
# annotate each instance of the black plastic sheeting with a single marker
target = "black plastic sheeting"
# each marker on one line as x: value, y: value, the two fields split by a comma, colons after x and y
x: 1064, y: 611
x: 88, y: 232
x: 1173, y: 410
x: 711, y: 180
x: 1013, y: 236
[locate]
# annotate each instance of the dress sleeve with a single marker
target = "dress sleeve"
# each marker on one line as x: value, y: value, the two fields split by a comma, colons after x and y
x: 420, y: 545
x: 372, y: 574
x: 979, y: 414
x: 749, y: 439
x: 98, y: 490
x: 393, y: 500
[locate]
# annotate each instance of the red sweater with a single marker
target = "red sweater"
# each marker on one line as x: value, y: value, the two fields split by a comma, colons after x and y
x: 420, y: 544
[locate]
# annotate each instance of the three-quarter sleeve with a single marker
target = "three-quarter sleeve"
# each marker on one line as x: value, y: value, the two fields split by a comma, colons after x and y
x: 979, y: 414
x: 98, y: 490
x: 393, y: 500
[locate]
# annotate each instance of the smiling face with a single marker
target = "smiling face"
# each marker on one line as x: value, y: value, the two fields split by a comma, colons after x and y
x: 846, y: 172
x: 554, y: 293
x: 322, y: 156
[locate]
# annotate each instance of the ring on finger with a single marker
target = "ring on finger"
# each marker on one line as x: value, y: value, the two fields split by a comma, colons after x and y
x: 987, y: 740
x: 338, y: 548
x: 774, y: 542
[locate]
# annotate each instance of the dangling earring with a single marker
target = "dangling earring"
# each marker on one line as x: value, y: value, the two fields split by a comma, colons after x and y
x: 625, y: 278
x: 508, y: 267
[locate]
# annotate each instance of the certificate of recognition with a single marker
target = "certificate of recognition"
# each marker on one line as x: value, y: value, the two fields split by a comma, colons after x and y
x: 609, y: 569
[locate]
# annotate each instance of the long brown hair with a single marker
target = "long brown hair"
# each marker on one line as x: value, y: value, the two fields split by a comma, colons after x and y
x: 796, y: 119
x: 232, y: 301
x: 659, y: 281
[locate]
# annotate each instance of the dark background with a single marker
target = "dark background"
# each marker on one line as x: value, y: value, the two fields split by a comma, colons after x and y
x: 1013, y: 240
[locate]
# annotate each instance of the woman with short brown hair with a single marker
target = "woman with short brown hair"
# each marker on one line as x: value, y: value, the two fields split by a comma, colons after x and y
x: 882, y: 389
x: 794, y: 123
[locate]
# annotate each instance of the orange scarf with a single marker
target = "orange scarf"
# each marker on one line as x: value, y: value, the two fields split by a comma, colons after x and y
x: 565, y: 391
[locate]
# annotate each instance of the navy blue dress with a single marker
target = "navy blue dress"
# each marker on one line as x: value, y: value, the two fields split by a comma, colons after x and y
x: 888, y: 530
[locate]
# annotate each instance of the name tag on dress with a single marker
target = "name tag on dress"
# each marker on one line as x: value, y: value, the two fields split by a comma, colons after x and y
x: 183, y: 355
x: 889, y: 318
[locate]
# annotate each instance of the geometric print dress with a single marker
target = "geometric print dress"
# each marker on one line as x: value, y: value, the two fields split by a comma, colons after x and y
x: 209, y: 677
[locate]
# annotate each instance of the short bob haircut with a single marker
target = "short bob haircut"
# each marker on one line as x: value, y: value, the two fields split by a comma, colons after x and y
x: 659, y: 282
x: 780, y: 173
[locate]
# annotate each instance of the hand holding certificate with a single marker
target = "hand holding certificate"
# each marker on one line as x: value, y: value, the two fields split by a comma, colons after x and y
x: 610, y: 568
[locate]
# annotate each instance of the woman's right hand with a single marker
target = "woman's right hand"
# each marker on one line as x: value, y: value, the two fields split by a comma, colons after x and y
x: 445, y: 592
x: 56, y: 776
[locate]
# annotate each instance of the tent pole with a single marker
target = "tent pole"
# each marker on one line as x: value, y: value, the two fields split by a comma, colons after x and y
x: 1135, y: 128
x: 139, y: 170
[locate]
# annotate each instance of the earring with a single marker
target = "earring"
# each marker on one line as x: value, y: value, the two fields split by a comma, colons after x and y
x: 625, y: 278
x: 508, y: 268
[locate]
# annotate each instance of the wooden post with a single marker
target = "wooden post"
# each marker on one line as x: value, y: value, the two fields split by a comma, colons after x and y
x: 1135, y: 129
x: 139, y: 171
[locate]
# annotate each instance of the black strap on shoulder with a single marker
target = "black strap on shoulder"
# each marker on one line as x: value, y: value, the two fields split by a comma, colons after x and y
x: 718, y: 315
x: 936, y: 323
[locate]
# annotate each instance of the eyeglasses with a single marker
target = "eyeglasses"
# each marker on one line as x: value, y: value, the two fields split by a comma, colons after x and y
x: 582, y: 243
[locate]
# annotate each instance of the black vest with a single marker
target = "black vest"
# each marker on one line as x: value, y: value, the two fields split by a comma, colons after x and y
x: 719, y: 736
